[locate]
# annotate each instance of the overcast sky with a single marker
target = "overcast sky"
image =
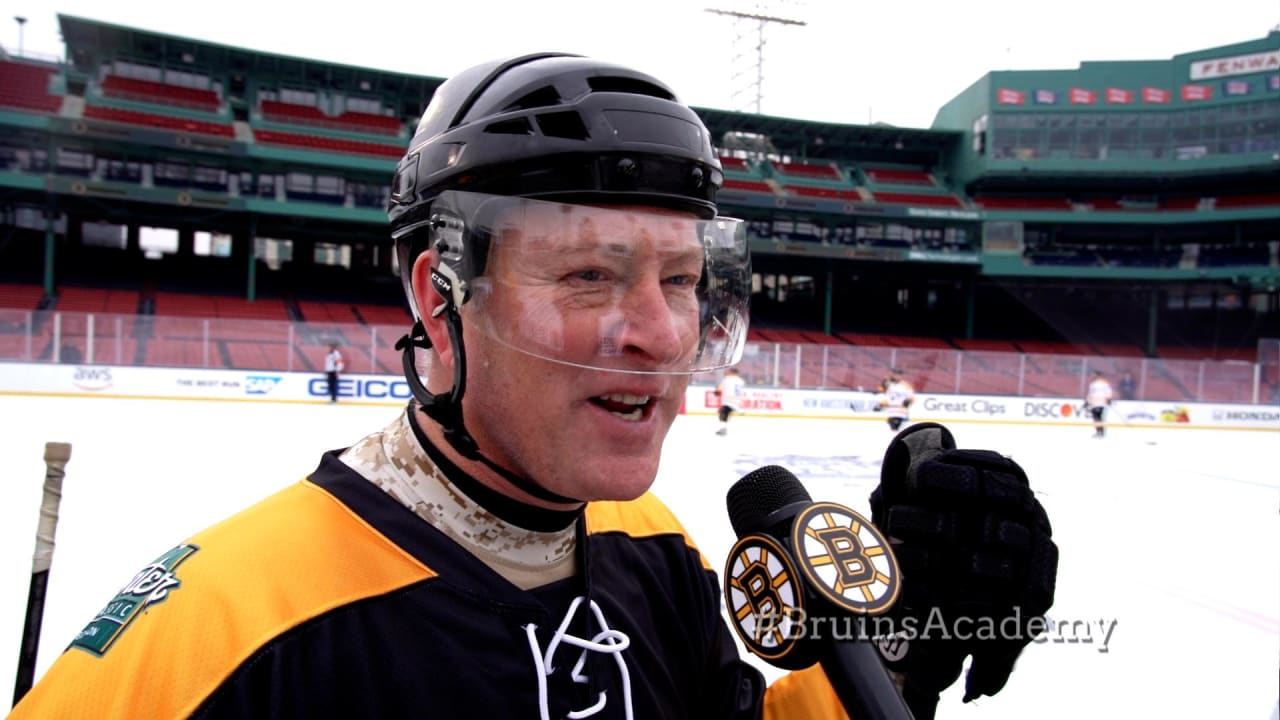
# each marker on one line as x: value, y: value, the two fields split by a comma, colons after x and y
x: 852, y: 62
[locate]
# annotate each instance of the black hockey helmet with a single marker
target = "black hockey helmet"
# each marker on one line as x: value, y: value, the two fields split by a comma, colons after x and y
x: 511, y: 137
x: 557, y: 127
x: 561, y: 127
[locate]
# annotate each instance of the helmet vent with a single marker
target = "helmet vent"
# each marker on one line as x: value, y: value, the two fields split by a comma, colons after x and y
x: 631, y: 86
x: 545, y: 96
x: 511, y: 126
x: 566, y: 125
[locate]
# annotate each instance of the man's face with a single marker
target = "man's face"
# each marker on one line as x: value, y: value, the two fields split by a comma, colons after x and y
x: 569, y: 333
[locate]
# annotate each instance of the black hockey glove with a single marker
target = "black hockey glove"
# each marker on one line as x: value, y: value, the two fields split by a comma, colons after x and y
x: 978, y: 564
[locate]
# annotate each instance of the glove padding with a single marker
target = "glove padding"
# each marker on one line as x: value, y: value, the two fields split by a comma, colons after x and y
x: 974, y: 545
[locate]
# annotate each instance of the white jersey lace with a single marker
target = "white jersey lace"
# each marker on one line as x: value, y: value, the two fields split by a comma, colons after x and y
x: 607, y: 640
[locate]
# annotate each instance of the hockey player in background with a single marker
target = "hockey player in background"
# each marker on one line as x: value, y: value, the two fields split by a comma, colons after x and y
x: 1097, y: 399
x: 729, y: 393
x: 495, y: 550
x: 898, y: 396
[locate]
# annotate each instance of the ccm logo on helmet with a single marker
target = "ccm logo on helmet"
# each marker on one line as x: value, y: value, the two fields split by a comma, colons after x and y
x: 356, y: 388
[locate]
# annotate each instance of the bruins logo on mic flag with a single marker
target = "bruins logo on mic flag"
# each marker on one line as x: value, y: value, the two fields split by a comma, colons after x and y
x: 764, y: 597
x: 845, y: 559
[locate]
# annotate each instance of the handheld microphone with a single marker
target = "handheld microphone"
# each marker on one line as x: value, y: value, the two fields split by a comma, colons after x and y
x: 796, y: 560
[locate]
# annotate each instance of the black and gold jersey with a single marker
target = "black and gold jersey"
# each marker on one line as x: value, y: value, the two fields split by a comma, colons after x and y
x: 332, y: 599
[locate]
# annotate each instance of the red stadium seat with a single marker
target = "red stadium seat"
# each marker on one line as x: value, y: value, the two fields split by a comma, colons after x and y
x: 820, y: 172
x: 1247, y: 200
x: 898, y: 176
x: 757, y: 186
x: 921, y: 199
x: 26, y: 87
x: 169, y: 122
x: 20, y: 296
x: 1022, y: 203
x: 162, y: 93
x: 310, y: 115
x: 321, y: 142
x: 823, y: 192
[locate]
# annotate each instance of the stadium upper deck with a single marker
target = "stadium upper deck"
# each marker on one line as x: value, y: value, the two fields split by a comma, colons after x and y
x: 1118, y: 202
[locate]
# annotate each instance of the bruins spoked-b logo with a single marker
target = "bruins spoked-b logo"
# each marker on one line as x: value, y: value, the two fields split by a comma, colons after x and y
x: 764, y: 597
x: 153, y: 584
x: 845, y: 559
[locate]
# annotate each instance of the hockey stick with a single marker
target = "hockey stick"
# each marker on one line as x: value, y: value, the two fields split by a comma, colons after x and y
x: 56, y: 455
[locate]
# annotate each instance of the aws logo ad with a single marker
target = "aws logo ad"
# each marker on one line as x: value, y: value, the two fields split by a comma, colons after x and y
x: 92, y: 379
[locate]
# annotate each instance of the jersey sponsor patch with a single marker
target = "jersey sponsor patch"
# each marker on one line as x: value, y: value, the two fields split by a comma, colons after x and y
x: 153, y: 584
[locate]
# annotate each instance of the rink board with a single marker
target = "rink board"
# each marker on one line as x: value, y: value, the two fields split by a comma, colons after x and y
x: 293, y: 387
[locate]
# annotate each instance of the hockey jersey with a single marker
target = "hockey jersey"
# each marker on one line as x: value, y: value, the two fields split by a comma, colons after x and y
x: 331, y: 599
x: 898, y: 396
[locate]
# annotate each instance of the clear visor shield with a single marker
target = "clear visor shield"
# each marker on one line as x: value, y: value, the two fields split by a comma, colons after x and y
x: 628, y: 289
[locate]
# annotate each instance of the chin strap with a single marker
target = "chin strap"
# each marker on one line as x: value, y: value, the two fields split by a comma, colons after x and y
x: 446, y: 408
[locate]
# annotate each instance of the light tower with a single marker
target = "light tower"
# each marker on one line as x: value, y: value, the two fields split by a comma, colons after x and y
x: 744, y: 24
x: 22, y: 22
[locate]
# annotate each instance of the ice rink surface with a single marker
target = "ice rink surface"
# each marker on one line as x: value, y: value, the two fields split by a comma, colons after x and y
x: 1168, y: 600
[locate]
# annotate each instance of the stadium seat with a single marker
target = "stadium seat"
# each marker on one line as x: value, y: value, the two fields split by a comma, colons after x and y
x: 20, y: 296
x: 1247, y: 200
x: 920, y: 199
x: 97, y: 300
x: 755, y: 186
x: 25, y: 86
x: 176, y: 353
x: 160, y: 93
x: 823, y: 192
x: 823, y: 171
x: 331, y: 144
x: 734, y: 164
x: 168, y: 122
x: 1180, y: 203
x: 1052, y: 347
x: 326, y: 312
x: 296, y: 114
x: 897, y: 176
x: 1022, y: 203
x: 184, y: 305
x: 986, y: 345
x: 384, y: 315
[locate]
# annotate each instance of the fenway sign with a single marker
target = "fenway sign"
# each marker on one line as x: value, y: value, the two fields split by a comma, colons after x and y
x: 1237, y: 65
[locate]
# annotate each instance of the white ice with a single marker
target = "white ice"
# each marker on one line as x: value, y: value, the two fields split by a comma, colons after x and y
x: 1171, y: 537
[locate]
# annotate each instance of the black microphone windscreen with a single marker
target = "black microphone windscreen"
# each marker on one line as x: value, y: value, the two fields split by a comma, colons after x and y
x: 760, y: 493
